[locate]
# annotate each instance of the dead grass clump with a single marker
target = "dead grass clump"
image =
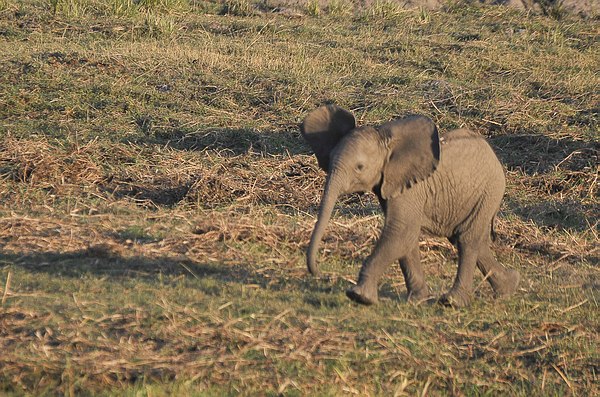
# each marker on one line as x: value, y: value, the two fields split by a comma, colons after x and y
x: 38, y: 163
x: 211, y: 180
x: 211, y: 190
x: 257, y: 180
x: 26, y: 235
x: 555, y: 245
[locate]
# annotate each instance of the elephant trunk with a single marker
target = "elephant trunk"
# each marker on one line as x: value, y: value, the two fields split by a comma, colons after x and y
x: 330, y: 195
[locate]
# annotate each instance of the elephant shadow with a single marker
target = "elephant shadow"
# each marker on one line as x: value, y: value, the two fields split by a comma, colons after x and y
x: 98, y: 261
x: 326, y: 291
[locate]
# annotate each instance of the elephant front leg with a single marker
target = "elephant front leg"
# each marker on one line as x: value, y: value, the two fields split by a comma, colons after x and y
x: 365, y: 290
x: 413, y: 275
x: 394, y: 243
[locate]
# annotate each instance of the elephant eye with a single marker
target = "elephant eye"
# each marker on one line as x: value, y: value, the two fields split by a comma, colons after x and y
x: 360, y: 167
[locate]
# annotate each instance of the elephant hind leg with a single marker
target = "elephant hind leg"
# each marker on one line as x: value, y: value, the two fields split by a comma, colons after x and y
x: 460, y: 294
x: 504, y: 281
x: 413, y: 275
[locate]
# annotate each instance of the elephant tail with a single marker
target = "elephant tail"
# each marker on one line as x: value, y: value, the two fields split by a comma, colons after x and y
x: 493, y: 233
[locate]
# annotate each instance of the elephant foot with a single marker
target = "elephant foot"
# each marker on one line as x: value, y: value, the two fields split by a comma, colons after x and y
x: 363, y: 295
x: 509, y: 284
x: 418, y: 295
x: 455, y: 298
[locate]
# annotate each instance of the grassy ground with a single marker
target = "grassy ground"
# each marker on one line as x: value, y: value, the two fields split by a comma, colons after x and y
x: 156, y: 200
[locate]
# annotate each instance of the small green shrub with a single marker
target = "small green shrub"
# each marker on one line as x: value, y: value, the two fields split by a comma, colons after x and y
x: 552, y: 8
x: 127, y: 7
x: 384, y: 10
x: 312, y: 8
x: 70, y: 8
x: 157, y: 25
x: 240, y: 8
x: 123, y: 7
x: 339, y: 8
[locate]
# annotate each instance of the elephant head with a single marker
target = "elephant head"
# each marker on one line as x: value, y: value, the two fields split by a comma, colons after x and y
x: 385, y: 160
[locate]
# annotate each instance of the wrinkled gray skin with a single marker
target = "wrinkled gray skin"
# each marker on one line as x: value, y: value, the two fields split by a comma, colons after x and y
x: 450, y: 187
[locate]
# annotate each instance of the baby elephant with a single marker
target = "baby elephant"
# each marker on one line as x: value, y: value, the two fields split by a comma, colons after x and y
x: 450, y: 186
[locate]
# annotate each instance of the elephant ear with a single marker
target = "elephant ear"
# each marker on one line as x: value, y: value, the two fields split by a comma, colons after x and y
x: 323, y: 128
x: 414, y: 146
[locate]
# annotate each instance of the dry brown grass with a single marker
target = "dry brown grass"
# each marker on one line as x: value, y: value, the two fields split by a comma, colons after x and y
x: 95, y: 341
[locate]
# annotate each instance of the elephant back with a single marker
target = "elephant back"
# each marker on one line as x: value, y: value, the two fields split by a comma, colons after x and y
x: 468, y: 155
x: 466, y: 141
